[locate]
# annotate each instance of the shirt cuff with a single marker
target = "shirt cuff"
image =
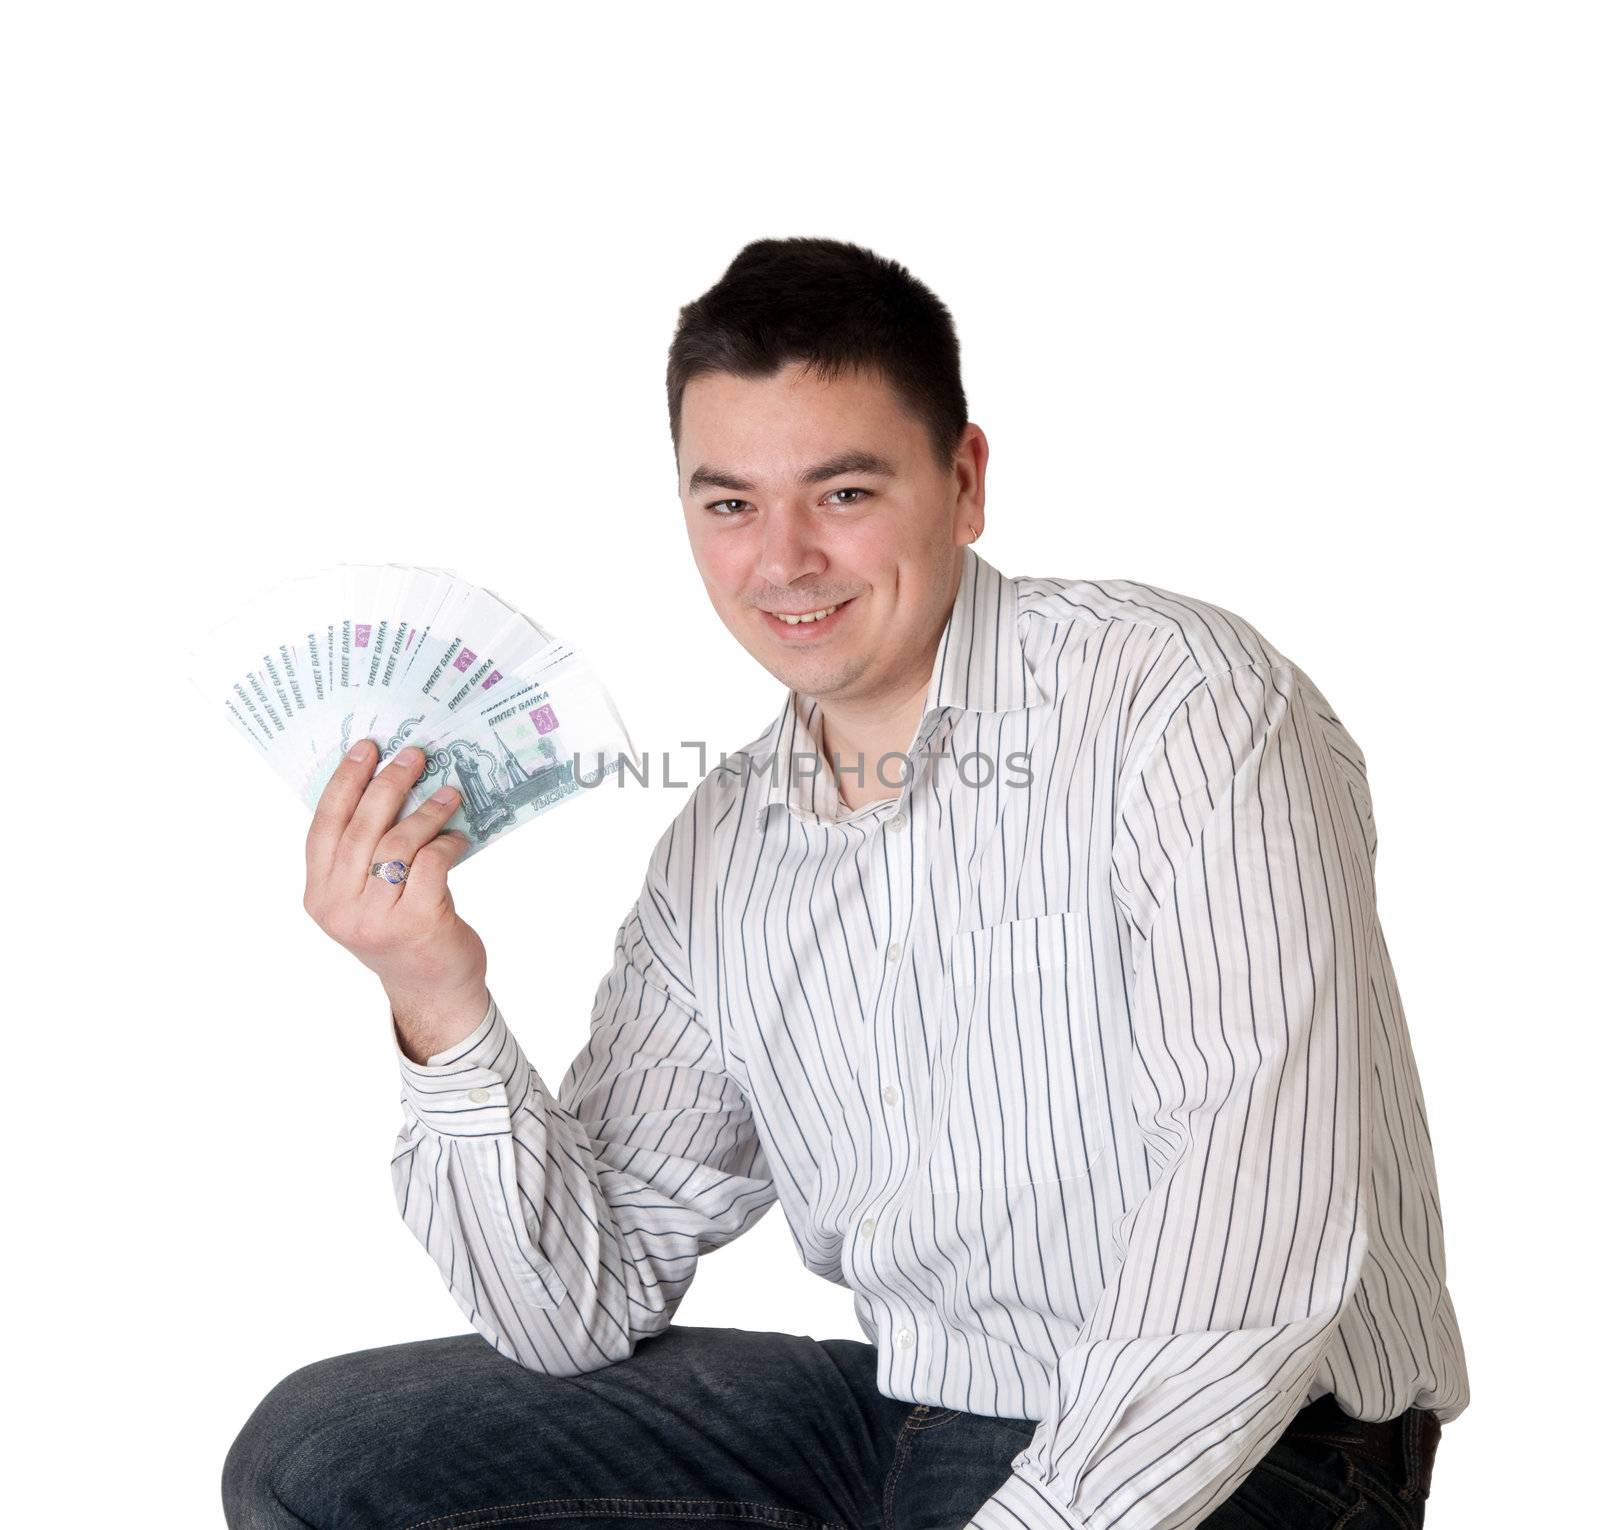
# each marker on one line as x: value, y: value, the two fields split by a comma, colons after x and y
x: 470, y: 1089
x: 1023, y: 1503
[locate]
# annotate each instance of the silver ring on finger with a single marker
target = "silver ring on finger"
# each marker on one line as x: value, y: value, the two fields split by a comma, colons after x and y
x: 391, y: 871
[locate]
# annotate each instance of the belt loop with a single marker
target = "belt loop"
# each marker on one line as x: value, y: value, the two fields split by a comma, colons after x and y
x: 1428, y: 1432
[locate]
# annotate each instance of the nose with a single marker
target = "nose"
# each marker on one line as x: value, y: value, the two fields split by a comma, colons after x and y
x: 789, y: 547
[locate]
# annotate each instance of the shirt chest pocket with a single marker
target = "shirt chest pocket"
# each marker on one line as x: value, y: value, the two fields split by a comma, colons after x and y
x: 1023, y: 1074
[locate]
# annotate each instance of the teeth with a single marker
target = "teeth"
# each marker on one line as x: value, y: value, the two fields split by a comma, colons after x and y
x: 810, y: 616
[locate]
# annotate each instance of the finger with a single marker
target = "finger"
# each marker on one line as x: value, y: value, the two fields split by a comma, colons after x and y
x: 427, y: 883
x: 375, y: 812
x: 334, y: 807
x: 408, y: 836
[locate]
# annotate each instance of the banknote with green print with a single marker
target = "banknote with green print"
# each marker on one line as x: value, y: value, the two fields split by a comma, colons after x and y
x: 510, y: 715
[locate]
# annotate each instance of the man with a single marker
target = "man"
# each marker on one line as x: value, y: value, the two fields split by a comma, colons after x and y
x: 1029, y: 958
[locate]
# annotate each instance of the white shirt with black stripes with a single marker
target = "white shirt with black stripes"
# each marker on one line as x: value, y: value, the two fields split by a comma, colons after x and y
x: 1080, y: 1061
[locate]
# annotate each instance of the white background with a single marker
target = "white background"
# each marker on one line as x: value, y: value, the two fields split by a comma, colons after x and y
x: 1288, y: 307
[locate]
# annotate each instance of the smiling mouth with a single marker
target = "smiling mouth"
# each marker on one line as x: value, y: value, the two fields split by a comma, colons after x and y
x: 816, y: 621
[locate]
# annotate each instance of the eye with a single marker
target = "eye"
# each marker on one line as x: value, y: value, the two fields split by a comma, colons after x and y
x: 864, y: 493
x: 713, y: 506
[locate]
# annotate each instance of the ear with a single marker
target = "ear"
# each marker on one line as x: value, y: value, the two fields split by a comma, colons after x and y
x: 972, y: 458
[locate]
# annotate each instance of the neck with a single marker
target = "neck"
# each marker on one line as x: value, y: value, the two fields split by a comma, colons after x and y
x: 866, y: 740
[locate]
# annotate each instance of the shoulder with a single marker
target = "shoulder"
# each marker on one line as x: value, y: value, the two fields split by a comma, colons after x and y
x: 1161, y: 653
x: 1152, y: 649
x: 1209, y: 638
x: 731, y: 790
x: 685, y: 864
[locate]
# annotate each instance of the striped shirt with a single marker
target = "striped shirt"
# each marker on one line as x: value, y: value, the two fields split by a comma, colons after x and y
x: 1079, y: 1060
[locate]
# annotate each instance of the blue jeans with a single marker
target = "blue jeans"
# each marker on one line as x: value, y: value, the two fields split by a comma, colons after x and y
x: 708, y: 1425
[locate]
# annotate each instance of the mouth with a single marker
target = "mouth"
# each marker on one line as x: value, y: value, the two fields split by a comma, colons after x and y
x: 805, y: 626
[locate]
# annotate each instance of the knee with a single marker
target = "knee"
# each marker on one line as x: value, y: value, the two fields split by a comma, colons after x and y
x: 261, y: 1460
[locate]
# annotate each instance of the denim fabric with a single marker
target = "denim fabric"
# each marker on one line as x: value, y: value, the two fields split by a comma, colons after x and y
x: 715, y: 1425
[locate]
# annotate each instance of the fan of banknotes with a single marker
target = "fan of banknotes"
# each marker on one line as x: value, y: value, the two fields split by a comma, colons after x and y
x: 504, y: 711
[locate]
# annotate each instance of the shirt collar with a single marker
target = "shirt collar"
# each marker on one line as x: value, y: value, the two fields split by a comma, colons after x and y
x: 979, y: 666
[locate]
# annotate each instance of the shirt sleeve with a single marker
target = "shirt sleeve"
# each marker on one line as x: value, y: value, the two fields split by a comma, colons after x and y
x: 568, y: 1227
x: 1242, y: 864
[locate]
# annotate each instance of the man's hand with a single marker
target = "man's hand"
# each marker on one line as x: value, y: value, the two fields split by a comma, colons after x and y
x: 430, y: 961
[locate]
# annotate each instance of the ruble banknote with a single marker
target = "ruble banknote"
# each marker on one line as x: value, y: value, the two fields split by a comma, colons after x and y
x: 505, y: 711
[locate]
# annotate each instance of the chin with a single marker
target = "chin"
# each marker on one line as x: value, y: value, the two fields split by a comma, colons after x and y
x: 821, y: 678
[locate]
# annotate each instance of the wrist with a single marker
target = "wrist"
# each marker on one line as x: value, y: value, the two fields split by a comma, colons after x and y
x: 433, y: 1021
x: 468, y: 1090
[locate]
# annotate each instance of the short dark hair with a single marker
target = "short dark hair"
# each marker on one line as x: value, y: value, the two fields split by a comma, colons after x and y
x: 836, y: 307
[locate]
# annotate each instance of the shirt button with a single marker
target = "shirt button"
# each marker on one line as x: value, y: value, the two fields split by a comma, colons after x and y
x: 904, y: 1339
x: 894, y: 952
x: 896, y: 823
x: 891, y: 1095
x: 868, y: 1223
x: 478, y: 1095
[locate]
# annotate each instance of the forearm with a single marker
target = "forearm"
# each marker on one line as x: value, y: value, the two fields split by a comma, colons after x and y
x: 562, y: 1245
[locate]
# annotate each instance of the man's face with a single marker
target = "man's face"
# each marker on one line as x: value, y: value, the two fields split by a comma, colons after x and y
x: 802, y: 495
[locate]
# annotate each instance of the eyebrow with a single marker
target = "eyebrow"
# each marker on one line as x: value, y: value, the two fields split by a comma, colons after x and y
x: 833, y: 467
